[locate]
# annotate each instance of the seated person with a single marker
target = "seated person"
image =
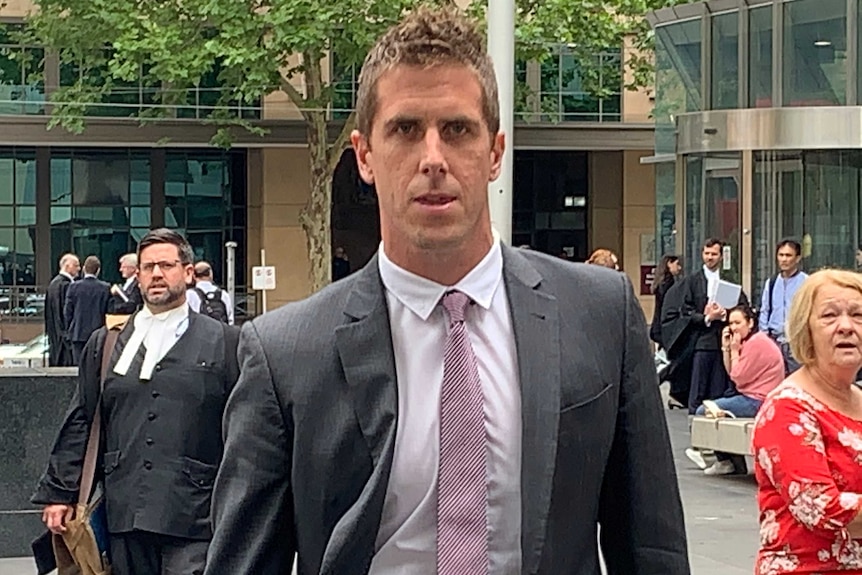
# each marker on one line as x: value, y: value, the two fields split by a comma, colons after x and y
x: 756, y: 367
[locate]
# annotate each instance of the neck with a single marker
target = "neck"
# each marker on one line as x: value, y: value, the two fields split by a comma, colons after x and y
x: 789, y: 273
x: 157, y: 309
x: 836, y: 382
x: 443, y: 266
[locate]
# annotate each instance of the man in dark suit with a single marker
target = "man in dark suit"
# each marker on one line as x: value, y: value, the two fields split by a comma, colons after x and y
x: 457, y: 406
x: 86, y: 306
x: 59, y: 346
x: 709, y: 379
x: 126, y: 299
x: 169, y: 376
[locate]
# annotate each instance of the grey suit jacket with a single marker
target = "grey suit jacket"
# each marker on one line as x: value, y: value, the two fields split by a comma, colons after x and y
x: 310, y: 430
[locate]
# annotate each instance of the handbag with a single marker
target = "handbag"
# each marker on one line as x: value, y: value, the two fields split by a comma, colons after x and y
x: 83, y: 548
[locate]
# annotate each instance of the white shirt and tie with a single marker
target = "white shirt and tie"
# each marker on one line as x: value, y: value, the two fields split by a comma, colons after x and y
x: 157, y: 333
x: 406, y: 540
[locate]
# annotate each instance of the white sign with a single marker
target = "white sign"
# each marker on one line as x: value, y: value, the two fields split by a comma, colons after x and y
x: 263, y: 278
x: 727, y: 255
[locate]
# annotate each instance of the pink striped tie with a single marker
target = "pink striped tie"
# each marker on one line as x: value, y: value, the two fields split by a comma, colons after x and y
x: 462, y: 527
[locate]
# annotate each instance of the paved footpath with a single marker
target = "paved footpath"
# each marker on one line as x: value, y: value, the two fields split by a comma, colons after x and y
x: 721, y: 515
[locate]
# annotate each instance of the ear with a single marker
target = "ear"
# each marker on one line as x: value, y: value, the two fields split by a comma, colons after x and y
x: 498, y: 146
x: 362, y: 149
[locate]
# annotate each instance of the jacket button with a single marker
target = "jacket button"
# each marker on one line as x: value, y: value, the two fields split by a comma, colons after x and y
x: 151, y: 416
x: 150, y: 441
x: 148, y: 465
x: 158, y: 367
x: 156, y: 393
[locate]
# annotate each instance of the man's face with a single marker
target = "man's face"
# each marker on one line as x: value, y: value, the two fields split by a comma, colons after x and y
x: 73, y: 266
x: 430, y: 156
x: 711, y: 256
x: 127, y: 270
x: 163, y: 286
x: 788, y: 259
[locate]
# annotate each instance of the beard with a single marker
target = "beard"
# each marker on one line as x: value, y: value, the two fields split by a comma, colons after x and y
x: 171, y: 295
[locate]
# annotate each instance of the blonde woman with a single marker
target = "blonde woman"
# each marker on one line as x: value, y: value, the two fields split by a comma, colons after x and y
x: 807, y: 439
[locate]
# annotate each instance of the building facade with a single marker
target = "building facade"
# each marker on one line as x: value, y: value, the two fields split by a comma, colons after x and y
x: 759, y: 131
x: 579, y: 180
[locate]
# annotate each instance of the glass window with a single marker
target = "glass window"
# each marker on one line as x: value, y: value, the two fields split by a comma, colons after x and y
x: 17, y: 216
x: 678, y: 79
x: 712, y: 208
x: 25, y: 179
x: 811, y: 196
x: 760, y: 57
x: 725, y: 61
x: 815, y: 53
x: 100, y: 178
x: 7, y: 177
x: 22, y: 86
x: 665, y: 176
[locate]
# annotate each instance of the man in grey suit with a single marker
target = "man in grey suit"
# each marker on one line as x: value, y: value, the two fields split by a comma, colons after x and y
x: 457, y: 406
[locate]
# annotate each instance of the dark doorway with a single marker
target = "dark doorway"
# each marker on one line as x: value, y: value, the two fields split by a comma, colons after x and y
x: 355, y: 219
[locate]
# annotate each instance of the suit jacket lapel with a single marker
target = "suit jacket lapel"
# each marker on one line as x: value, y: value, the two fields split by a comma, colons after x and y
x: 365, y: 348
x: 535, y: 320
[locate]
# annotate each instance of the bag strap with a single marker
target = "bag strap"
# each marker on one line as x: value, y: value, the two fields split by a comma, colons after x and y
x: 771, y: 291
x: 88, y: 473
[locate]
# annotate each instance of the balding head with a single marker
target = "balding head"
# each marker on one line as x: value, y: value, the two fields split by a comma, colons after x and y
x: 70, y: 264
x: 203, y: 272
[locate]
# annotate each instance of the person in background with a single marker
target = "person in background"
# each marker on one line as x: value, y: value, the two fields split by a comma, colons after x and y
x: 218, y: 302
x: 778, y: 294
x: 59, y: 345
x: 706, y: 318
x: 859, y: 257
x: 666, y: 274
x: 86, y: 306
x: 167, y: 382
x: 606, y: 258
x: 756, y: 367
x: 340, y: 264
x: 126, y: 299
x: 807, y: 438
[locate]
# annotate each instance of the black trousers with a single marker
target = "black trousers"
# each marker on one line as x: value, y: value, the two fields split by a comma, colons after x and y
x: 145, y: 553
x: 709, y: 379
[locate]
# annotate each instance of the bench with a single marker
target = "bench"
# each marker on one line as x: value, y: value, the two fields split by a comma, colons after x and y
x: 724, y: 434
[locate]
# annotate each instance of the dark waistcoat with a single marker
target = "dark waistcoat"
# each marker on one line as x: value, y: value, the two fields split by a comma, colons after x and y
x: 162, y: 437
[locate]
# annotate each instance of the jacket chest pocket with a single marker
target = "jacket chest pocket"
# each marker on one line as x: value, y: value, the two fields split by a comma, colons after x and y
x: 200, y: 382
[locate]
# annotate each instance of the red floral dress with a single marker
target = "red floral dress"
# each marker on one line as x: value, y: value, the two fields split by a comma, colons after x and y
x: 808, y: 464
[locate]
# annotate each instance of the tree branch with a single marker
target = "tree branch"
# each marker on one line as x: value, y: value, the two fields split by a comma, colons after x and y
x: 295, y: 97
x: 341, y: 141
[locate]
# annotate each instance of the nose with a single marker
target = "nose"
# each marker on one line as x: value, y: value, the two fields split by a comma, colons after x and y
x: 433, y: 162
x: 845, y: 323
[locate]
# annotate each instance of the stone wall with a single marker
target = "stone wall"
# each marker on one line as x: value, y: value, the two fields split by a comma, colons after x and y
x: 32, y: 405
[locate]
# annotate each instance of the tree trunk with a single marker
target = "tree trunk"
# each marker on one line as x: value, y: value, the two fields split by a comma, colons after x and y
x: 317, y: 213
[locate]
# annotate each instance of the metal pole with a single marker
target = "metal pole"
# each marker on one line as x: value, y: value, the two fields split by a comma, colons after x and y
x: 501, y: 48
x: 231, y: 271
x: 263, y: 291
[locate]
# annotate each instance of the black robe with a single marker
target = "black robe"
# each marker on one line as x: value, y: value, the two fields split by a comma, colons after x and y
x: 678, y: 342
x: 59, y: 346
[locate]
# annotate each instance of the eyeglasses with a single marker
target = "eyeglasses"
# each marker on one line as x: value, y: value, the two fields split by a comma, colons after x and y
x: 165, y: 266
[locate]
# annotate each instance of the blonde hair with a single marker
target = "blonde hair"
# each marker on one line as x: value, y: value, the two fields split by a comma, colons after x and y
x: 428, y: 37
x: 603, y: 257
x: 798, y: 330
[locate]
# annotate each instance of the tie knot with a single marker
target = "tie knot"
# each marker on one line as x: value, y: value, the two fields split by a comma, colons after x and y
x: 456, y: 303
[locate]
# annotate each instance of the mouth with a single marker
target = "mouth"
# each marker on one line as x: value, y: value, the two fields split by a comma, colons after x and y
x: 846, y: 345
x: 435, y: 200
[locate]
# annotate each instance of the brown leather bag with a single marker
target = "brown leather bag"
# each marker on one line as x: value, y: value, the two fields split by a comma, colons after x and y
x: 76, y: 550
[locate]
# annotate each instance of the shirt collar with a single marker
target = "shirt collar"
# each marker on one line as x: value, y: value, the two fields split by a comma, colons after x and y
x: 68, y: 275
x: 88, y: 276
x: 421, y: 295
x: 128, y: 282
x: 203, y: 284
x: 709, y: 273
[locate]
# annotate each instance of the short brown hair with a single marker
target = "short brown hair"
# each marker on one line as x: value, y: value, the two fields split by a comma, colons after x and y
x: 428, y: 37
x: 92, y: 265
x: 166, y: 236
x: 798, y: 330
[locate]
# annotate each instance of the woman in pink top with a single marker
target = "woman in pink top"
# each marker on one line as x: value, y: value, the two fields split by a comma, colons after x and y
x: 756, y: 367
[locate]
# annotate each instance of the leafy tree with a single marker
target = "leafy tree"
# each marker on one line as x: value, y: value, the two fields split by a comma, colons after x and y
x: 258, y: 46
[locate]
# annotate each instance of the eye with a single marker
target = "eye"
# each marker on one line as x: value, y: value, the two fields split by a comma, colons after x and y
x: 457, y: 128
x: 405, y: 128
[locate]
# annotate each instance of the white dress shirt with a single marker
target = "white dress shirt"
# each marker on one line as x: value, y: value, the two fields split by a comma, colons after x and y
x: 407, y: 539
